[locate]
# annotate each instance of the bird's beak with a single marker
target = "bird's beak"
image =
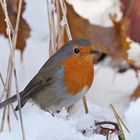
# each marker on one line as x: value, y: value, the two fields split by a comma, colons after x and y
x: 94, y: 52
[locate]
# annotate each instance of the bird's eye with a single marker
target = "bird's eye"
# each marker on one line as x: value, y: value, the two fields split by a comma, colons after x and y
x: 76, y: 50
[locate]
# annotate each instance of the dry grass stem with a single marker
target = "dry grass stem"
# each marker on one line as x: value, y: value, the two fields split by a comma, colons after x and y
x: 63, y: 8
x: 12, y: 36
x: 8, y: 118
x: 3, y: 86
x: 19, y: 106
x: 120, y: 123
x: 51, y: 27
x: 85, y: 104
x: 3, y: 120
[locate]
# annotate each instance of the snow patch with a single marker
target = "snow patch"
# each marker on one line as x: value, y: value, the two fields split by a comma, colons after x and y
x: 97, y: 11
x: 134, y: 53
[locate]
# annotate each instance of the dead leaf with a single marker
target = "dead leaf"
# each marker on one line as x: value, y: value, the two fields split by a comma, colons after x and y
x: 130, y: 10
x: 109, y: 40
x: 24, y: 29
x: 136, y: 93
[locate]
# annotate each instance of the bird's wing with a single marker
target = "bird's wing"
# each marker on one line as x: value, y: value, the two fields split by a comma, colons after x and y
x: 44, y: 78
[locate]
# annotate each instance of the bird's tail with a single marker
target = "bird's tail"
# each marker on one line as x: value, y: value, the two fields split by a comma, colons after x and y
x: 8, y: 101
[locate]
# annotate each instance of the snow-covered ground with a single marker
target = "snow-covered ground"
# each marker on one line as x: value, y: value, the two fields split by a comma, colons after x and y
x: 108, y: 87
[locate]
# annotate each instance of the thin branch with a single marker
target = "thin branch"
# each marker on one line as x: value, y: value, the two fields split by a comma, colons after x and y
x: 119, y: 120
x: 118, y: 116
x: 17, y: 24
x: 19, y: 105
x: 3, y: 119
x: 11, y: 66
x: 85, y: 104
x: 8, y: 118
x: 64, y: 14
x: 52, y: 48
x: 3, y: 86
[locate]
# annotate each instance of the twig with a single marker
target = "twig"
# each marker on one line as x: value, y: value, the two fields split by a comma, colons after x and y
x: 3, y: 86
x: 14, y: 112
x: 8, y: 118
x: 19, y: 106
x: 105, y: 130
x: 3, y: 119
x: 8, y: 89
x: 52, y: 48
x: 60, y: 34
x: 11, y: 65
x: 67, y: 25
x: 17, y: 24
x: 9, y: 70
x: 99, y: 127
x: 85, y: 104
x: 119, y: 120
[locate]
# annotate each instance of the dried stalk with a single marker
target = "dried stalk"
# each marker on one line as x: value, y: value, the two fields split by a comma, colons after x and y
x: 3, y: 86
x: 85, y: 104
x: 11, y: 67
x: 120, y: 123
x: 52, y: 30
x: 9, y: 70
x: 14, y: 112
x: 8, y: 89
x: 3, y: 119
x: 60, y: 34
x: 19, y: 106
x: 8, y: 118
x: 63, y: 8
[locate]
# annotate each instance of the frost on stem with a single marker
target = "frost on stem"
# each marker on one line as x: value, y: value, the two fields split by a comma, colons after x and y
x: 51, y: 7
x: 8, y: 28
x: 63, y: 23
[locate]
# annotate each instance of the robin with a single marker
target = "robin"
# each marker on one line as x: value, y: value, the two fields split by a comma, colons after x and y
x: 63, y: 79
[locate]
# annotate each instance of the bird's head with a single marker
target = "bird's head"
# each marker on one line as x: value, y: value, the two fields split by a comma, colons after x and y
x: 79, y: 49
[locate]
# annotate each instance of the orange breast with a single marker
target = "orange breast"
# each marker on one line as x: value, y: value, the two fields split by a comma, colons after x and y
x: 78, y: 73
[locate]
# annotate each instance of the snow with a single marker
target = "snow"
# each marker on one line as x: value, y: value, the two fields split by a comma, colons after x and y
x: 134, y: 52
x: 97, y: 12
x: 108, y: 86
x: 133, y: 116
x: 51, y: 7
x: 42, y: 125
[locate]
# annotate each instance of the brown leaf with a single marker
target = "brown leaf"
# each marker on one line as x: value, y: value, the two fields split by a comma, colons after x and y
x: 130, y: 10
x: 110, y: 40
x: 24, y: 29
x: 136, y: 93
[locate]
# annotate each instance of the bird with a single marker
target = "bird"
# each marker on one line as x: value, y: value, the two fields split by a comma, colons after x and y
x: 63, y: 79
